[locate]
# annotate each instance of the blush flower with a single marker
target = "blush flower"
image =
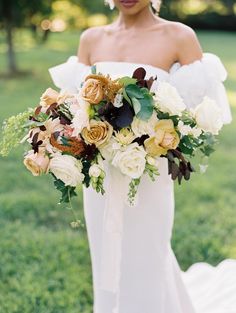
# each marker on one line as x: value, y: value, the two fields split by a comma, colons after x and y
x: 37, y: 163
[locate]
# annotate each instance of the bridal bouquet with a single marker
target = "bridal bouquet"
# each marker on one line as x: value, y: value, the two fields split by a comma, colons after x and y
x: 130, y: 122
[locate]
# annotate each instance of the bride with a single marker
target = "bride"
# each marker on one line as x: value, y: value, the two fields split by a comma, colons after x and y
x: 134, y: 267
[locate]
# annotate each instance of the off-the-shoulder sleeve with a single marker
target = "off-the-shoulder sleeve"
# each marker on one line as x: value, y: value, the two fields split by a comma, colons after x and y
x: 201, y: 78
x: 69, y: 75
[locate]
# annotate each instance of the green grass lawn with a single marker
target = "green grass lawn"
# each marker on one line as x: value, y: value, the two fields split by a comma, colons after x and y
x: 44, y: 264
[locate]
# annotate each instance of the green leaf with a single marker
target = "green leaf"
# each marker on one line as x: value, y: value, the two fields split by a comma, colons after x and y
x: 133, y: 91
x: 136, y: 105
x: 127, y: 81
x: 67, y: 192
x: 146, y: 107
x: 126, y: 97
x: 93, y: 69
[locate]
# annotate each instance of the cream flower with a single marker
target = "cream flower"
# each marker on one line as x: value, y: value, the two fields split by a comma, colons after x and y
x: 68, y: 169
x: 208, y: 116
x: 141, y: 127
x: 124, y: 136
x: 131, y: 161
x: 36, y: 163
x: 167, y: 99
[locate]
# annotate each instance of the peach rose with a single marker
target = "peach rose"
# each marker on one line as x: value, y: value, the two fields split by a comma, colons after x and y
x: 98, y: 134
x: 36, y: 163
x: 92, y: 91
x: 49, y: 97
x: 165, y: 138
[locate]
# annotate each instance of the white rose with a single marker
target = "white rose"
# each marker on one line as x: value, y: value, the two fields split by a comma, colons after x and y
x: 67, y: 168
x: 141, y: 127
x: 168, y: 99
x: 131, y: 161
x: 81, y: 118
x: 208, y: 116
x: 95, y: 170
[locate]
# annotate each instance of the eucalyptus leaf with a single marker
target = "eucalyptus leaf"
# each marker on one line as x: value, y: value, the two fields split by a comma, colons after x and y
x: 146, y: 107
x: 127, y: 81
x: 93, y: 69
x: 136, y: 105
x: 134, y: 91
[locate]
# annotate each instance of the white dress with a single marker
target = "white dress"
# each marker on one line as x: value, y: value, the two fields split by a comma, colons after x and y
x: 133, y: 265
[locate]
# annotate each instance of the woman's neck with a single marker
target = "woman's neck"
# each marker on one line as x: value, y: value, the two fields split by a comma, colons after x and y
x: 144, y: 18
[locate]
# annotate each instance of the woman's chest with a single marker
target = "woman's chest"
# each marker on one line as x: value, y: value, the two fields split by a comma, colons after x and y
x: 135, y: 47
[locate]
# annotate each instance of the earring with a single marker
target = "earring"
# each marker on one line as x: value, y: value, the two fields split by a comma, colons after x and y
x: 110, y: 3
x: 156, y: 4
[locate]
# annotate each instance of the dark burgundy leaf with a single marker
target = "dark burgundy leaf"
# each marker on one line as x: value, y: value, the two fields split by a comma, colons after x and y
x: 56, y: 134
x: 38, y: 110
x: 51, y: 108
x: 42, y: 128
x: 187, y: 174
x: 175, y: 171
x: 190, y: 167
x: 64, y: 120
x: 90, y: 151
x: 180, y: 176
x: 139, y: 73
x: 140, y: 140
x: 169, y: 167
x: 35, y: 138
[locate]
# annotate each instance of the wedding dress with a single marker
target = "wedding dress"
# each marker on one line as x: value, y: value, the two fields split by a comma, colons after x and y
x: 133, y: 265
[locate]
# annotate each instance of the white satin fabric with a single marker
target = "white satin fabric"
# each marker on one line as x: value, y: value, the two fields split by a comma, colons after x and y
x: 134, y: 268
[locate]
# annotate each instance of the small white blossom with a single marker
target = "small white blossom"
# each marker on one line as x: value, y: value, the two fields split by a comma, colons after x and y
x: 95, y: 170
x: 118, y: 101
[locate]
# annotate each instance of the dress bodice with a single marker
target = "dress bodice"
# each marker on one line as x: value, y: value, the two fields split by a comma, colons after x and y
x: 193, y: 81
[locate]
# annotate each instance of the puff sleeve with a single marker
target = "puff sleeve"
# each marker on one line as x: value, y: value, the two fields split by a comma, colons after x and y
x: 69, y: 75
x: 201, y: 78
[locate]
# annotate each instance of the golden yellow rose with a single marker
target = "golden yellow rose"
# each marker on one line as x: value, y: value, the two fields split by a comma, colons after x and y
x: 92, y: 91
x: 36, y: 163
x: 49, y: 97
x: 98, y: 134
x: 165, y: 138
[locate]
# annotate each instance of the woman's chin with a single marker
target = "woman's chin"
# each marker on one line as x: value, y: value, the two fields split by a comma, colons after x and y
x: 130, y: 7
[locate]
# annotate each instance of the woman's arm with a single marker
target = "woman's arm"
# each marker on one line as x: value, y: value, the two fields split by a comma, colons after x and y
x: 187, y: 45
x: 84, y: 47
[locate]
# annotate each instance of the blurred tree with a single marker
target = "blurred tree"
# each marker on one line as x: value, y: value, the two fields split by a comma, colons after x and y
x: 229, y: 4
x: 18, y: 13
